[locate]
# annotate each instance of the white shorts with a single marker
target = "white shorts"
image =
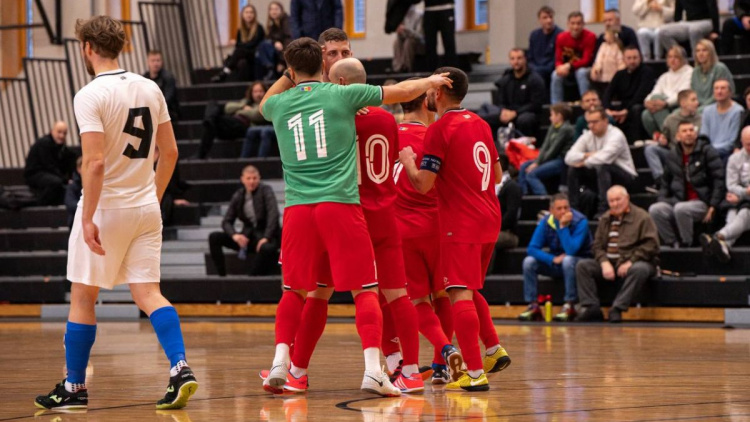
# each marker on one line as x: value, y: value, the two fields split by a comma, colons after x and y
x: 131, y: 238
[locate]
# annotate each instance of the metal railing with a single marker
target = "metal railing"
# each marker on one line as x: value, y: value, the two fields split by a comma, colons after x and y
x: 166, y: 28
x: 17, y: 128
x: 50, y: 94
x: 203, y: 33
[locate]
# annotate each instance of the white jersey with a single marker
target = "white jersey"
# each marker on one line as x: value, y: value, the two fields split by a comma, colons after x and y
x: 128, y: 109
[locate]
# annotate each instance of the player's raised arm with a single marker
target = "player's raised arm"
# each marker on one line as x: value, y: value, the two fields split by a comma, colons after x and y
x: 411, y: 89
x: 281, y: 85
x: 92, y: 177
x: 168, y: 154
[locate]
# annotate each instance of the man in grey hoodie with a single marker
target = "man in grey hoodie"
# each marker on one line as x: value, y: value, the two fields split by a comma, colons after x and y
x: 738, y: 196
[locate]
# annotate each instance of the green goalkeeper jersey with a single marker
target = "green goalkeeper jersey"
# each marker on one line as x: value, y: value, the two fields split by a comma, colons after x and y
x: 314, y: 125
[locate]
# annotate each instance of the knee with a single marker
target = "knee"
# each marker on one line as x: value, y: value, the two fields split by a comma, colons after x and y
x: 569, y: 263
x: 681, y: 210
x: 585, y: 269
x: 529, y: 264
x: 215, y: 238
x: 641, y: 270
x: 658, y: 209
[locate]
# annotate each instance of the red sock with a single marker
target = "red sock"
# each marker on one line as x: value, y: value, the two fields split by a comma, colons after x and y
x: 288, y: 314
x: 407, y: 328
x: 369, y: 319
x: 314, y: 317
x: 444, y: 311
x: 389, y: 343
x: 429, y: 326
x: 466, y: 318
x: 486, y: 327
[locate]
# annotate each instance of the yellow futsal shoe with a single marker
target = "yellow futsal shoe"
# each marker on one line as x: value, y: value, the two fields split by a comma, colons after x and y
x: 497, y: 361
x: 467, y: 383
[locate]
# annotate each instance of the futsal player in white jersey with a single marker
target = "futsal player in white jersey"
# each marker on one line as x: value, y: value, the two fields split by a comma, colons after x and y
x: 116, y: 235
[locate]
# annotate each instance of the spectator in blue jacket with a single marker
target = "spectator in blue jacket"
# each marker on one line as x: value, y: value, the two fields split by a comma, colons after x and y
x: 565, y: 233
x: 541, y: 52
x: 309, y: 18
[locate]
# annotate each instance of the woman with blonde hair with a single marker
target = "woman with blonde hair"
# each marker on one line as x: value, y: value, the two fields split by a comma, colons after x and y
x: 708, y: 69
x: 249, y: 36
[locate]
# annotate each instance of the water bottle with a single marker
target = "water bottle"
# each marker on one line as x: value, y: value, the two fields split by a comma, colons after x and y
x: 242, y: 254
x: 548, y: 309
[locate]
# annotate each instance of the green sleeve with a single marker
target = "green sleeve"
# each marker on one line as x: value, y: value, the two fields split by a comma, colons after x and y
x: 362, y: 95
x: 268, y: 107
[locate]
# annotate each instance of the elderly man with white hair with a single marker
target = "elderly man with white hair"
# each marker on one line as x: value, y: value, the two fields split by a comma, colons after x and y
x: 626, y: 248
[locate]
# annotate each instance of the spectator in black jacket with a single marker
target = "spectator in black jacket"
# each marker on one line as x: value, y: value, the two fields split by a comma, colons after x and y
x: 309, y: 18
x: 50, y: 165
x: 521, y: 94
x: 439, y: 16
x: 541, y: 52
x: 270, y: 59
x: 735, y: 33
x: 255, y: 206
x: 687, y: 198
x: 73, y: 193
x: 702, y: 21
x: 242, y: 60
x: 626, y: 34
x: 166, y: 82
x: 624, y: 97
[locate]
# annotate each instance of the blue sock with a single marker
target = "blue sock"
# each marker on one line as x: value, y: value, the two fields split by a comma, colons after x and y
x: 78, y: 341
x: 167, y: 326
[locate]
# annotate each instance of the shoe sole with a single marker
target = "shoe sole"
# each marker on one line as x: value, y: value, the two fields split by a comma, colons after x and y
x: 500, y: 365
x: 427, y: 374
x: 485, y: 387
x: 413, y: 390
x: 455, y: 363
x: 71, y: 407
x: 374, y: 391
x: 183, y: 396
x: 718, y: 252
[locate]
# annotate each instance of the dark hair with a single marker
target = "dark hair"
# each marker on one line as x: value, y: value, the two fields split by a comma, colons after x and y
x: 504, y: 162
x: 613, y: 10
x: 546, y: 9
x: 589, y: 92
x: 414, y: 104
x: 518, y: 49
x: 746, y: 93
x: 332, y: 34
x: 155, y: 53
x: 104, y: 34
x: 558, y: 197
x: 562, y: 108
x: 682, y: 95
x: 575, y: 14
x: 249, y: 92
x: 600, y: 110
x: 723, y: 80
x: 460, y: 82
x: 270, y: 22
x: 250, y: 169
x: 631, y: 47
x: 685, y: 122
x: 304, y: 55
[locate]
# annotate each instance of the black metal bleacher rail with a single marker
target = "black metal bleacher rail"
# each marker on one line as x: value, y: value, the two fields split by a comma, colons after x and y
x: 17, y: 122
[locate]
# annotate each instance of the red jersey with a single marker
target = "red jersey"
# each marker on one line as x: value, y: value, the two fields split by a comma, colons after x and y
x: 417, y: 214
x: 377, y: 151
x: 459, y: 148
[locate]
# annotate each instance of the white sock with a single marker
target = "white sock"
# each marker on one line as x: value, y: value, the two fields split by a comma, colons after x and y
x: 475, y: 374
x: 492, y: 350
x: 72, y: 388
x: 372, y: 360
x: 392, y: 361
x: 409, y: 370
x: 282, y: 355
x: 173, y: 371
x: 297, y: 372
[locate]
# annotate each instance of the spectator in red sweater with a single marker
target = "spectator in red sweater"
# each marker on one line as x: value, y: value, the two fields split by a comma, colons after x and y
x: 574, y: 53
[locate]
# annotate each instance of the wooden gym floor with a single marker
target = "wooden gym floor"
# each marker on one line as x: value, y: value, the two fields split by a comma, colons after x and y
x: 596, y: 372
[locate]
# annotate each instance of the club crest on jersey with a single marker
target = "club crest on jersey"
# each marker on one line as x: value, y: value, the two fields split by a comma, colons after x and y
x: 305, y: 88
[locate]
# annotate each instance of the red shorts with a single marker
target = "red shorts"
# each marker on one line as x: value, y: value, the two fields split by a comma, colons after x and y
x: 422, y: 272
x: 464, y: 265
x: 386, y: 243
x: 338, y: 231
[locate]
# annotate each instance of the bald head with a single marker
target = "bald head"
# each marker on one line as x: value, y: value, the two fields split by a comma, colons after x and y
x: 59, y: 132
x: 745, y: 139
x: 348, y: 71
x: 618, y: 199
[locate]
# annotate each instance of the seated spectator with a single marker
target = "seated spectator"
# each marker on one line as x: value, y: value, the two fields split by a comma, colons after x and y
x: 574, y: 53
x: 702, y: 21
x: 409, y: 41
x: 624, y: 97
x: 707, y: 70
x: 550, y: 162
x: 73, y: 193
x: 589, y: 100
x: 738, y: 200
x: 608, y: 61
x: 599, y: 159
x: 521, y: 95
x: 309, y: 18
x: 663, y: 98
x: 270, y: 62
x: 541, y: 52
x: 565, y: 236
x: 735, y: 33
x: 745, y: 120
x: 612, y: 22
x: 249, y: 36
x: 626, y: 249
x: 721, y: 120
x: 656, y: 154
x: 50, y: 165
x: 260, y: 136
x: 652, y: 15
x: 692, y: 188
x: 231, y: 122
x: 166, y: 82
x: 255, y: 206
